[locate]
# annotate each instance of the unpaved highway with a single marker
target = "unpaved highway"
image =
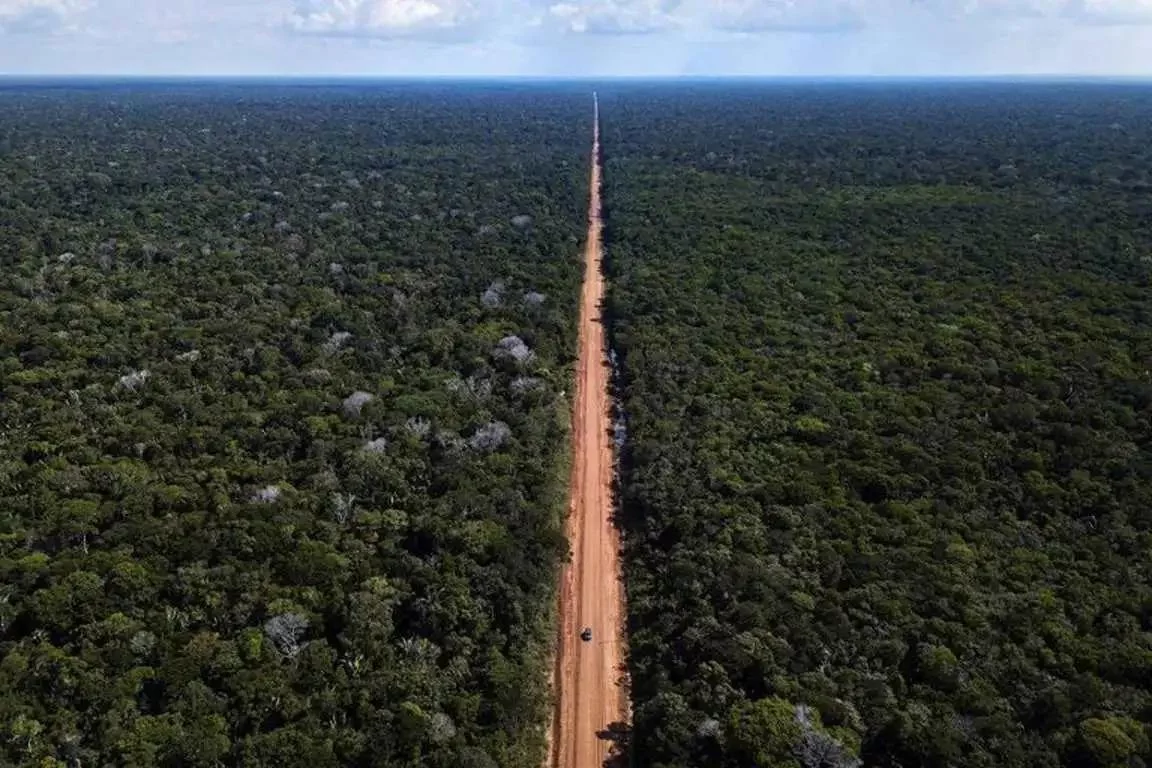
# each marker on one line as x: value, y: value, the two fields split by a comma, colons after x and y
x: 588, y: 678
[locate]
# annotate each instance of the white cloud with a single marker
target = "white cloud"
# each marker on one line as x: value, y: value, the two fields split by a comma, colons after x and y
x: 384, y: 18
x: 788, y: 15
x: 762, y: 16
x: 1099, y: 11
x: 614, y: 16
x: 39, y: 15
x: 576, y: 37
x: 1114, y: 11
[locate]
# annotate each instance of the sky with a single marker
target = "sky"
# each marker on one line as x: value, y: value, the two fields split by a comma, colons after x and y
x: 576, y: 38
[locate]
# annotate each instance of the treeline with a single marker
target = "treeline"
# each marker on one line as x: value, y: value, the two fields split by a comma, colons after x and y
x: 885, y: 358
x: 281, y: 427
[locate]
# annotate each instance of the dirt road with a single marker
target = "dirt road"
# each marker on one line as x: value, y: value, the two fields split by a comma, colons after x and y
x: 590, y: 694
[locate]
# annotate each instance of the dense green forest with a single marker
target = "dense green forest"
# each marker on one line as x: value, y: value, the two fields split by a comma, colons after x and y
x: 282, y: 423
x: 884, y: 354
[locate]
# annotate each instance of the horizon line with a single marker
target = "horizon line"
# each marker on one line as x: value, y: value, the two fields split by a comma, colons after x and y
x: 355, y: 77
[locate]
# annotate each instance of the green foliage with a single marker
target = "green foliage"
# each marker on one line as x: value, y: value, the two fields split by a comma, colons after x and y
x: 206, y: 558
x: 764, y: 732
x: 883, y: 357
x: 1112, y: 741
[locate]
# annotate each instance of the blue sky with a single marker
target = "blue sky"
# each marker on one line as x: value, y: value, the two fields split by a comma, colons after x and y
x: 576, y: 37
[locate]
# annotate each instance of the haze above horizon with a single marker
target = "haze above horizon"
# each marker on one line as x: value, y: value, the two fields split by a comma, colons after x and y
x: 576, y: 38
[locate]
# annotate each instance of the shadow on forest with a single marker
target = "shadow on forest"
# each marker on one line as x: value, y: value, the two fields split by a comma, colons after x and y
x: 620, y: 734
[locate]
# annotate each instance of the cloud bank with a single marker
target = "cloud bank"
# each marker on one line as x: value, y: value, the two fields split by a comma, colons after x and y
x: 39, y: 16
x: 413, y: 18
x: 787, y: 15
x: 577, y: 37
x: 614, y: 16
x: 382, y: 18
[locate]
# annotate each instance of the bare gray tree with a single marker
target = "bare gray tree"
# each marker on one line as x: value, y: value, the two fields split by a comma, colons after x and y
x: 513, y: 347
x: 490, y: 436
x: 356, y: 401
x: 286, y: 632
x: 419, y: 426
x: 817, y: 749
x: 267, y: 494
x: 134, y: 380
x: 343, y: 507
x: 493, y: 296
x: 522, y: 384
x: 336, y: 341
x: 379, y: 445
x: 441, y: 729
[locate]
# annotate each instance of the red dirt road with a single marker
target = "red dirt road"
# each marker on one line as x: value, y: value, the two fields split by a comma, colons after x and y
x: 589, y: 686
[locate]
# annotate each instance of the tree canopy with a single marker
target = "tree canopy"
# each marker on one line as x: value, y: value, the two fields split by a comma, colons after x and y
x: 271, y: 493
x: 884, y: 358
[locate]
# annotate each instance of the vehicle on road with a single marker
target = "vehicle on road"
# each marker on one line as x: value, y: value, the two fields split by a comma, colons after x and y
x: 586, y: 635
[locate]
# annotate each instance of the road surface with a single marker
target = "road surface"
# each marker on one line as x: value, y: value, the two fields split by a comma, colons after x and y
x: 589, y: 675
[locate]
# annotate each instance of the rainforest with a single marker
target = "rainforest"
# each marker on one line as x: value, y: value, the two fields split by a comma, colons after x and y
x: 884, y: 357
x: 288, y: 376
